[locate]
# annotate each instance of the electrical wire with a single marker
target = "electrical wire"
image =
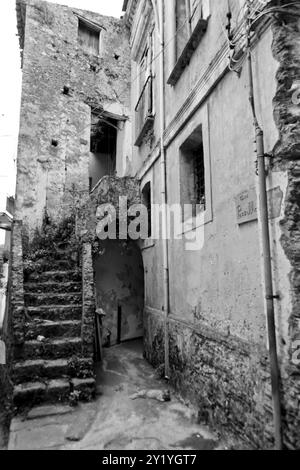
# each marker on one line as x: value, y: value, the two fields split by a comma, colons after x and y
x: 253, y: 21
x: 233, y: 43
x: 274, y: 10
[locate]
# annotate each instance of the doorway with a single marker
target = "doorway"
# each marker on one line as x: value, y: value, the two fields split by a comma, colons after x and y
x: 103, y: 149
x: 119, y: 287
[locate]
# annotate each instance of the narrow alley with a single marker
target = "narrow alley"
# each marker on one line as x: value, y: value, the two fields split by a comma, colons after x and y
x: 115, y: 420
x: 149, y: 269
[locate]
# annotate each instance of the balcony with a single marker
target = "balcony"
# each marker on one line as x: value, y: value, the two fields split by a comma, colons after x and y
x: 144, y: 117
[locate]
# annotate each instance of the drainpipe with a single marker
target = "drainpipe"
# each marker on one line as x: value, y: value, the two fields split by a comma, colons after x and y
x: 159, y: 16
x: 265, y: 233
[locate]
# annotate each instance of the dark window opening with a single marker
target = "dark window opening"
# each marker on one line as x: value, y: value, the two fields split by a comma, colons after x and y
x: 192, y: 172
x: 146, y: 198
x: 89, y: 37
x: 182, y: 30
x: 188, y: 14
x: 144, y: 110
x: 103, y: 148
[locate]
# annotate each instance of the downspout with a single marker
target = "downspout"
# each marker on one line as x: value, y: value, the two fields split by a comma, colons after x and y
x: 159, y: 15
x: 267, y: 261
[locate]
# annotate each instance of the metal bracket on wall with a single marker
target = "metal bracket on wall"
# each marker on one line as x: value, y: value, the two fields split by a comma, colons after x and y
x: 272, y: 297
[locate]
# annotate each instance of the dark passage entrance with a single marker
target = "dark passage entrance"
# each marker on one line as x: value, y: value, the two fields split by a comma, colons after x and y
x: 103, y: 149
x: 119, y: 281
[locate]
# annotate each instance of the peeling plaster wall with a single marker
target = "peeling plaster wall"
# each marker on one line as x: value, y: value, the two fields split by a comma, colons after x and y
x: 56, y: 177
x: 119, y: 281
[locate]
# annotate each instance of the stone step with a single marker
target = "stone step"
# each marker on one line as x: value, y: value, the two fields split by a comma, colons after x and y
x: 55, y: 276
x: 50, y: 265
x: 31, y: 393
x: 56, y: 312
x: 32, y: 370
x: 49, y: 298
x: 55, y: 287
x: 57, y: 253
x: 53, y: 263
x: 86, y: 387
x: 56, y: 348
x: 51, y: 329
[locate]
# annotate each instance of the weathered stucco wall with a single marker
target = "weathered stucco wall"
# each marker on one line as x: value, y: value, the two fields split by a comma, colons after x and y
x: 55, y: 177
x: 217, y: 325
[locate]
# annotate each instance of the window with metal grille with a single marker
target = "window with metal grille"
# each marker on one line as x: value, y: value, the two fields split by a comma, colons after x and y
x: 199, y: 172
x: 192, y: 172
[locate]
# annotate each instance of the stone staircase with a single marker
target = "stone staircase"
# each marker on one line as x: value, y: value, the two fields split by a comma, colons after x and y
x: 50, y: 366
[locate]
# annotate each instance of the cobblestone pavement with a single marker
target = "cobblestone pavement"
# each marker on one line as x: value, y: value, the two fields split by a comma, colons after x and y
x: 114, y: 421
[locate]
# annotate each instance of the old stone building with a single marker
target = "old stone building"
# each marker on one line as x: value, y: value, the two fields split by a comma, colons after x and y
x: 155, y: 108
x: 74, y: 133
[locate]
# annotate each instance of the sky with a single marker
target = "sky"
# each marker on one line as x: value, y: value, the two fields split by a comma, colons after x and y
x: 10, y: 84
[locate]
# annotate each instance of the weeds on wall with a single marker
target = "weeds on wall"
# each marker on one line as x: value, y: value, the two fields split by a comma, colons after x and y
x: 48, y: 243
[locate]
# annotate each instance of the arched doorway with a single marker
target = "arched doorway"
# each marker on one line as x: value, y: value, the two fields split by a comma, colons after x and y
x: 119, y: 288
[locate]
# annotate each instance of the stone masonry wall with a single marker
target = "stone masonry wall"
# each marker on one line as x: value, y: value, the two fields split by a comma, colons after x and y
x: 226, y: 378
x: 53, y: 154
x: 286, y: 50
x: 109, y: 191
x: 17, y: 308
x: 88, y: 313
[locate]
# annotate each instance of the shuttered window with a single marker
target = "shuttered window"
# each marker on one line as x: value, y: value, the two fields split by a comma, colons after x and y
x: 89, y: 38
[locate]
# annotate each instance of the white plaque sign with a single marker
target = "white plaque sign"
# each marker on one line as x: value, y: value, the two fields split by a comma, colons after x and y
x: 246, y: 206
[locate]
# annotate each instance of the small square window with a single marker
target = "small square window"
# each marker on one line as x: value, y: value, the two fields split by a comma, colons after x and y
x: 89, y: 37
